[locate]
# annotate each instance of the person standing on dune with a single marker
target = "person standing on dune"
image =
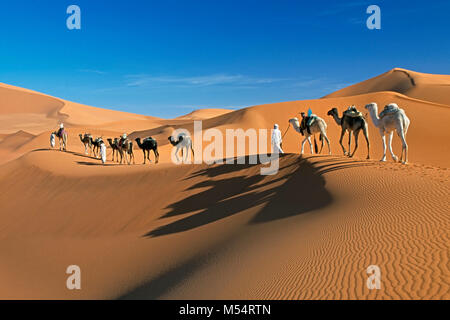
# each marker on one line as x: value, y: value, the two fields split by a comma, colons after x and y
x: 276, y: 140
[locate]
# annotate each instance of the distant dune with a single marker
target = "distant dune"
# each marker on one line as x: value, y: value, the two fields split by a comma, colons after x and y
x: 171, y: 231
x: 37, y: 112
x: 422, y: 86
x: 202, y: 114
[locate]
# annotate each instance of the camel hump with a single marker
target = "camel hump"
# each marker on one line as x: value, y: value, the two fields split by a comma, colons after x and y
x: 353, y: 113
x: 390, y: 109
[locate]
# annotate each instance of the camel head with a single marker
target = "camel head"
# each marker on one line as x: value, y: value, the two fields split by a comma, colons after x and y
x: 138, y: 141
x: 371, y: 106
x: 333, y: 112
x: 294, y: 121
x: 172, y: 141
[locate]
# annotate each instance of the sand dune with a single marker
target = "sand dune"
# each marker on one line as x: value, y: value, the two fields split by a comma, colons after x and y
x: 422, y: 86
x: 203, y: 114
x: 224, y: 231
x: 309, y: 232
x: 22, y: 109
x: 423, y: 147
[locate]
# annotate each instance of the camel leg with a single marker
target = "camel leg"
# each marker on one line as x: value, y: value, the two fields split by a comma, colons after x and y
x: 310, y: 145
x: 303, y: 145
x: 356, y: 135
x: 394, y: 157
x: 401, y: 134
x: 122, y: 156
x: 340, y: 142
x: 366, y: 135
x: 349, y: 143
x: 383, y: 139
x: 324, y: 136
x: 176, y: 154
x: 156, y: 155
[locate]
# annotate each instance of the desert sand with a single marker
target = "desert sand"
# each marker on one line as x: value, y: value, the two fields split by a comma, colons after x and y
x: 225, y: 231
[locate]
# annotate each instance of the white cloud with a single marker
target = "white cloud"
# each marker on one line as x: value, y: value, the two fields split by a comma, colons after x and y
x: 197, y: 81
x: 92, y: 71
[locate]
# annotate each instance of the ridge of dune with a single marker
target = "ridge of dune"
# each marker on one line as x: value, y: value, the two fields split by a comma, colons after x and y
x: 23, y: 109
x: 202, y: 114
x: 15, y: 140
x: 422, y: 86
x: 422, y: 148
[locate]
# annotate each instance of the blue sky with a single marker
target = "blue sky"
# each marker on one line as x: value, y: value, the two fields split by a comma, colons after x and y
x: 166, y: 58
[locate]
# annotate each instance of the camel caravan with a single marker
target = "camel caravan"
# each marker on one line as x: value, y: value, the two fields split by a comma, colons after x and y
x: 352, y: 121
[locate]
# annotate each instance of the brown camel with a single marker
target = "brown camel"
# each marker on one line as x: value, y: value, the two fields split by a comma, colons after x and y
x: 115, y: 148
x: 86, y: 139
x: 124, y: 147
x: 352, y: 121
x: 96, y: 145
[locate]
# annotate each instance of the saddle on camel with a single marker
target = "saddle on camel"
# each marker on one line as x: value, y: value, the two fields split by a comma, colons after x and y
x: 307, y: 121
x: 352, y: 112
x: 61, y: 131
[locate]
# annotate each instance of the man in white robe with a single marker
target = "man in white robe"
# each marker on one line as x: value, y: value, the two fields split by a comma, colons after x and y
x: 276, y: 140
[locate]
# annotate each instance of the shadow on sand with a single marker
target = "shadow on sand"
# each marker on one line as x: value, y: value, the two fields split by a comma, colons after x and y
x: 299, y: 187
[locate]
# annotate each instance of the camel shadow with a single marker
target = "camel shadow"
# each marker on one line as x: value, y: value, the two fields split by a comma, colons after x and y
x: 298, y: 188
x: 67, y: 151
x: 85, y: 163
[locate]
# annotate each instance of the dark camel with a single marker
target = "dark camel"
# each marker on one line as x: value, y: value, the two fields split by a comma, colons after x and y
x: 147, y: 145
x: 87, y: 141
x: 115, y: 148
x: 353, y: 122
x: 124, y: 147
x: 96, y: 145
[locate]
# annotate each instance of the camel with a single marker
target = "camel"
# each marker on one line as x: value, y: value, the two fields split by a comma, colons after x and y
x: 127, y: 149
x: 124, y: 148
x: 147, y: 145
x: 318, y: 126
x: 183, y: 142
x: 96, y: 145
x: 86, y: 139
x: 392, y: 118
x: 61, y: 134
x: 115, y: 148
x: 353, y: 124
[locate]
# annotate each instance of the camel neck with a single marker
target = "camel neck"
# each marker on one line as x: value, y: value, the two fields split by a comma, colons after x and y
x: 374, y: 115
x: 337, y: 119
